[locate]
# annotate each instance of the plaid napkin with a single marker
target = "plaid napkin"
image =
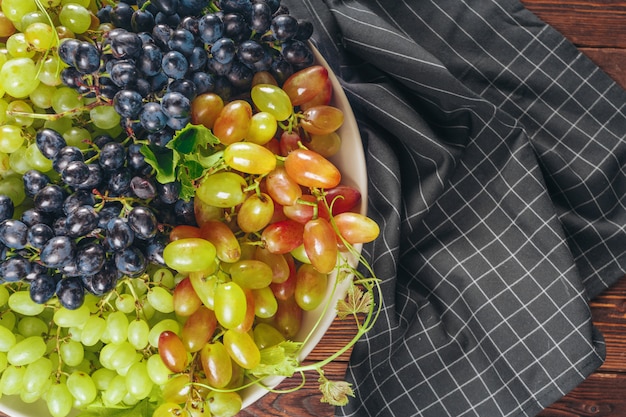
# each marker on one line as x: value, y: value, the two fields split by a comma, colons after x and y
x: 496, y: 156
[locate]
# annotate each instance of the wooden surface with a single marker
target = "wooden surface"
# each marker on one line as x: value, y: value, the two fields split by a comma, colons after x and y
x: 598, y: 29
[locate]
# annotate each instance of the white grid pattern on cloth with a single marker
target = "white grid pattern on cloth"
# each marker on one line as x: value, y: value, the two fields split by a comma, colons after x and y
x: 489, y: 138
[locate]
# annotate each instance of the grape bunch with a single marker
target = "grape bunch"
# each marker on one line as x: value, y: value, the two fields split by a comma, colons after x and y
x: 164, y: 54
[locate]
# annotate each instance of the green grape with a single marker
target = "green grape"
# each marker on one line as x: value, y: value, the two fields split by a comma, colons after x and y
x: 32, y: 326
x: 8, y: 320
x: 157, y: 371
x: 266, y: 335
x: 7, y: 339
x: 37, y: 375
x: 59, y: 399
x: 138, y: 333
x: 3, y: 362
x: 5, y: 166
x: 16, y: 9
x: 123, y: 356
x: 4, y: 295
x: 104, y: 117
x: 61, y: 125
x: 36, y: 159
x: 19, y: 106
x: 242, y: 349
x: 187, y: 255
x: 20, y: 302
x: 272, y: 99
x: 33, y: 17
x: 66, y: 99
x: 160, y: 327
x: 262, y: 129
x: 161, y: 299
x: 225, y: 404
x: 19, y: 162
x: 102, y: 378
x: 71, y: 352
x: 116, y: 391
x: 50, y: 70
x: 40, y: 36
x: 18, y: 46
x: 230, y: 304
x: 84, y: 3
x: 223, y: 189
x: 164, y: 278
x: 77, y: 136
x: 169, y: 409
x: 82, y: 388
x: 117, y: 327
x: 42, y: 96
x: 11, y: 138
x: 251, y: 274
x: 18, y: 77
x: 138, y: 381
x: 12, y: 186
x: 12, y: 381
x: 92, y: 330
x: 26, y: 351
x: 265, y: 304
x: 75, y: 17
x: 125, y: 303
x: 4, y: 105
x: 64, y: 317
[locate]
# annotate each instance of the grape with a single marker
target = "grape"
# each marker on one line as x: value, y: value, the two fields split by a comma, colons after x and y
x: 127, y: 103
x: 242, y: 349
x: 224, y: 50
x: 82, y: 387
x: 75, y: 17
x: 149, y: 61
x: 7, y: 207
x: 142, y: 21
x: 172, y: 351
x: 26, y: 351
x: 42, y: 288
x: 216, y: 364
x: 18, y: 77
x: 143, y: 222
x: 119, y: 234
x: 210, y: 28
x: 49, y: 142
x: 230, y: 304
x: 7, y: 339
x: 86, y: 58
x: 39, y: 234
x: 104, y: 117
x: 57, y: 251
x: 70, y: 292
x: 75, y: 173
x: 138, y: 382
x: 131, y: 262
x: 11, y: 138
x: 112, y: 155
x: 124, y: 73
x: 37, y: 374
x: 13, y: 233
x: 356, y: 228
x: 174, y: 64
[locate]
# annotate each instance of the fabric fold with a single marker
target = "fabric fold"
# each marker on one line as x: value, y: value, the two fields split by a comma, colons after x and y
x: 495, y: 155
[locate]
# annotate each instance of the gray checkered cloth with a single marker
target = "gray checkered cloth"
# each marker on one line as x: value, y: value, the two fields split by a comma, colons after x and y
x: 496, y: 155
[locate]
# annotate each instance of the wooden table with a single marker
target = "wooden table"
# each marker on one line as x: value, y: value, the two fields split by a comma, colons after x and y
x: 598, y: 28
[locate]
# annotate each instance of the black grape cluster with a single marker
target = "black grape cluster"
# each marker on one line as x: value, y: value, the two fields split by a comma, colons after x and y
x: 164, y: 53
x: 100, y: 222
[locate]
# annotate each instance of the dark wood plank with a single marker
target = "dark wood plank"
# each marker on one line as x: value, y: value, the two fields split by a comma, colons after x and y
x: 597, y: 23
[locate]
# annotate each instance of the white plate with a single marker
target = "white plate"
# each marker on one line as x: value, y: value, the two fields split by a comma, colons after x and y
x: 351, y: 162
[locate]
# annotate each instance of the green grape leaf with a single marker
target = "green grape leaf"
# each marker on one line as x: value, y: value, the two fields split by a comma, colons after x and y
x: 141, y: 409
x: 192, y: 138
x: 188, y: 171
x: 356, y: 302
x: 163, y: 160
x: 335, y: 392
x: 280, y: 359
